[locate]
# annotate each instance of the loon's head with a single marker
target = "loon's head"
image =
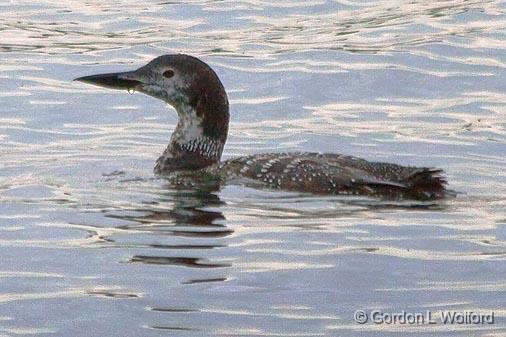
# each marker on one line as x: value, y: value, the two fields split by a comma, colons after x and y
x: 197, y: 94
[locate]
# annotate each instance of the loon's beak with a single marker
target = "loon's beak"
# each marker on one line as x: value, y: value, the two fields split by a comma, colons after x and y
x: 125, y: 80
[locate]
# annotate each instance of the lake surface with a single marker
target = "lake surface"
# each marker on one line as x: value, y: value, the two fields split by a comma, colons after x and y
x: 93, y: 244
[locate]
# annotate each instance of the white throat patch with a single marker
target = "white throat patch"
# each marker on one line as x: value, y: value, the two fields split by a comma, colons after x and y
x: 189, y: 126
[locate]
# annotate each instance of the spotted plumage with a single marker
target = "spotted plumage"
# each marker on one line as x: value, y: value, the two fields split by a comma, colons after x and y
x: 196, y: 145
x: 335, y: 174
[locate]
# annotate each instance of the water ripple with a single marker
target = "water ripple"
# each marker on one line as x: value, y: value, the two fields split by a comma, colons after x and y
x: 88, y: 231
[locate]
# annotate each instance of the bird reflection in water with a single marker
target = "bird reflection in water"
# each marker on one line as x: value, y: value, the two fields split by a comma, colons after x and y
x: 186, y: 216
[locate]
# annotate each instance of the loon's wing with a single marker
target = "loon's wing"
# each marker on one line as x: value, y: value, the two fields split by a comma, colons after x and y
x: 336, y: 174
x: 413, y: 182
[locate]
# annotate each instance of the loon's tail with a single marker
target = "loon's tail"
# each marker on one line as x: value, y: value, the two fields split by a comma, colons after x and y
x: 426, y: 184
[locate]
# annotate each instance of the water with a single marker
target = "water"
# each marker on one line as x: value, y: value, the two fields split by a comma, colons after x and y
x: 93, y: 244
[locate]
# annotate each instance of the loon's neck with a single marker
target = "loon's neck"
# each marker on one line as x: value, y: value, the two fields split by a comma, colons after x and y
x: 200, y: 135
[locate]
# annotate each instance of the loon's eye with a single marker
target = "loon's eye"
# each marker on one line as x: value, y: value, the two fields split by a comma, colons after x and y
x: 168, y: 73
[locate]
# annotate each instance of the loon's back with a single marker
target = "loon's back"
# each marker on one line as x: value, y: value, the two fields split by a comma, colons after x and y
x: 336, y: 174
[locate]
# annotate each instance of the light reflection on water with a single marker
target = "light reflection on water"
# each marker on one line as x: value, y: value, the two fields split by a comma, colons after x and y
x: 92, y: 243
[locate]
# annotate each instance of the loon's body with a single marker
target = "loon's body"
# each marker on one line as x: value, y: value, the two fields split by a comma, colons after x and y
x: 196, y: 145
x: 329, y: 173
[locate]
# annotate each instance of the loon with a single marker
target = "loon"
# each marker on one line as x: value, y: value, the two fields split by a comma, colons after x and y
x: 196, y: 145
